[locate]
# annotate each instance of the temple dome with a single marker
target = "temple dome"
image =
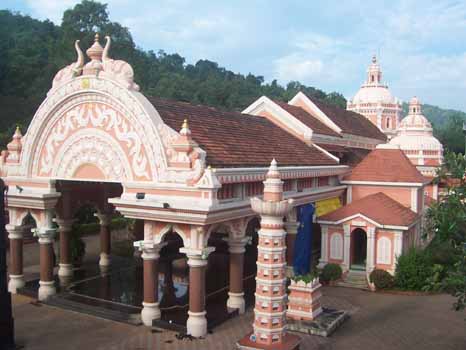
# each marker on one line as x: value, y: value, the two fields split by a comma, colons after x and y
x: 415, y: 131
x: 374, y: 90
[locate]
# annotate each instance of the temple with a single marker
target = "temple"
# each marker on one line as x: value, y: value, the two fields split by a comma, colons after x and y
x: 206, y: 184
x: 375, y: 101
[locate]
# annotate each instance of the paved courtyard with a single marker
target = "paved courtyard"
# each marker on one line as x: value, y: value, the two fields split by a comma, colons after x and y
x: 378, y: 321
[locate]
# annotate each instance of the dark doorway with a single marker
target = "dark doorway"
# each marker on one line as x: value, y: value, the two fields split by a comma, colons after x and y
x: 359, y: 249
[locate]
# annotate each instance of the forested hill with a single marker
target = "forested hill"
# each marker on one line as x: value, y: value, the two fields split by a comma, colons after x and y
x: 32, y: 51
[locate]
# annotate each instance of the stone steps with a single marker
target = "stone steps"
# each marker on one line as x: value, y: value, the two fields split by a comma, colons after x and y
x: 355, y: 280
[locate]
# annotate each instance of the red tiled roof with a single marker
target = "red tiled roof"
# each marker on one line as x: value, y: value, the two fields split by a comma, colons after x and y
x: 233, y: 139
x: 350, y: 122
x: 348, y: 155
x: 304, y: 117
x: 386, y: 165
x: 378, y: 207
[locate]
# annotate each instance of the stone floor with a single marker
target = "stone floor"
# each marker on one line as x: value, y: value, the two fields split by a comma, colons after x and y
x: 378, y: 321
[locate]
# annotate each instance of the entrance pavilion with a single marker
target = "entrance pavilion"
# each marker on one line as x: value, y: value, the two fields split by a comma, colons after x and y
x: 179, y: 168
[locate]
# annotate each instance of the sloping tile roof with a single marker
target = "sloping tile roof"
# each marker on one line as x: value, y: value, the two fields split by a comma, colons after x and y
x: 233, y: 139
x: 304, y: 117
x: 386, y: 165
x: 348, y: 155
x: 378, y: 207
x: 350, y: 122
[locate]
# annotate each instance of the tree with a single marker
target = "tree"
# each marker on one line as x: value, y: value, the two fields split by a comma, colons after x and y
x: 447, y: 218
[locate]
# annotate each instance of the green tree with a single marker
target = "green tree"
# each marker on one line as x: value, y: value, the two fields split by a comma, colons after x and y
x: 447, y: 219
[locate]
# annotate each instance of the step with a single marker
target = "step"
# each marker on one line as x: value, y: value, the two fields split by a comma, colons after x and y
x: 98, y: 311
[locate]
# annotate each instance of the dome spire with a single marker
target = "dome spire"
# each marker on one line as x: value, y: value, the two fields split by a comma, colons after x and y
x: 374, y: 73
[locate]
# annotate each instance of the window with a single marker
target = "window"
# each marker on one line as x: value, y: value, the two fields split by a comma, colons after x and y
x: 384, y: 248
x: 336, y: 246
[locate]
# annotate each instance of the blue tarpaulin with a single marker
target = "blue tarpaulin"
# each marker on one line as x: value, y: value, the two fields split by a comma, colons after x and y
x: 303, y: 243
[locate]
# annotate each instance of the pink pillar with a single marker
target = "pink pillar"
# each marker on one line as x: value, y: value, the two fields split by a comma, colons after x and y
x: 105, y: 239
x: 15, y: 234
x: 269, y: 313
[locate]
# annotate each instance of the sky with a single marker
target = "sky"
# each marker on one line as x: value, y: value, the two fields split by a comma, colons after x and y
x: 327, y: 44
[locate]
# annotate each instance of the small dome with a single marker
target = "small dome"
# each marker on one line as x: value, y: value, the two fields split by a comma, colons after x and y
x: 415, y: 122
x: 414, y: 101
x: 419, y: 142
x: 373, y: 94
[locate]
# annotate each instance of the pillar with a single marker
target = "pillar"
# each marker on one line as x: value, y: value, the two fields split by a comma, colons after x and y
x: 197, y: 262
x: 291, y: 227
x: 105, y: 239
x: 269, y: 325
x: 370, y: 250
x: 236, y: 292
x: 324, y: 247
x: 46, y: 282
x: 15, y: 234
x: 65, y: 265
x: 346, y: 246
x: 150, y: 256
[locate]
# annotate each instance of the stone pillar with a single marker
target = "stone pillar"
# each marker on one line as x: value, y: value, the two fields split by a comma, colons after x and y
x: 269, y: 326
x: 236, y: 293
x: 15, y: 234
x: 66, y: 267
x: 291, y: 227
x: 105, y: 239
x: 398, y: 245
x: 150, y: 256
x: 324, y: 247
x: 370, y: 263
x: 346, y: 246
x: 46, y: 284
x: 197, y: 261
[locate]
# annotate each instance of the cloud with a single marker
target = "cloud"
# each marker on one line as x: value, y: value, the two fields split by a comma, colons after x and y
x: 51, y: 9
x: 296, y: 67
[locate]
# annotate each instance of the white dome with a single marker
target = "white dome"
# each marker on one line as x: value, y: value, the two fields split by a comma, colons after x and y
x: 417, y: 142
x: 415, y: 131
x: 373, y: 94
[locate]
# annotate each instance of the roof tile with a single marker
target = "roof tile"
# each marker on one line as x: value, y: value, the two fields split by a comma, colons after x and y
x: 378, y: 207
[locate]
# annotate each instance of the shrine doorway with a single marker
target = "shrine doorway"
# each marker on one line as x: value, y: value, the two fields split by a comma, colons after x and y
x: 358, y: 249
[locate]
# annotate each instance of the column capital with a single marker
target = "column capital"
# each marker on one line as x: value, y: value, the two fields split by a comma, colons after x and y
x: 104, y: 218
x: 150, y: 251
x: 197, y: 257
x: 347, y: 229
x: 14, y: 231
x: 237, y: 245
x: 291, y: 227
x: 45, y: 234
x: 64, y: 225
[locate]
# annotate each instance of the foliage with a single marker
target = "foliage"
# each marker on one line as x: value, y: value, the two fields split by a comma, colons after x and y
x: 32, y: 51
x: 331, y: 272
x: 307, y: 277
x: 77, y: 247
x: 434, y: 283
x: 381, y: 279
x: 413, y: 269
x: 447, y: 219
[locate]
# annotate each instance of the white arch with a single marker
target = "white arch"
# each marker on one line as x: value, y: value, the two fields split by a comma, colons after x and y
x: 336, y: 246
x: 384, y: 249
x: 88, y: 89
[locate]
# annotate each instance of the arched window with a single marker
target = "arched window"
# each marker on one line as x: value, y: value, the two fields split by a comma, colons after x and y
x: 388, y: 123
x: 336, y: 246
x: 384, y: 250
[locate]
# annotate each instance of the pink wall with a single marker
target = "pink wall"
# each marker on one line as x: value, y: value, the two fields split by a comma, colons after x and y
x: 400, y: 194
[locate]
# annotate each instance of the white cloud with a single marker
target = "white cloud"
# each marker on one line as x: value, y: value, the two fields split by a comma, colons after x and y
x: 296, y: 67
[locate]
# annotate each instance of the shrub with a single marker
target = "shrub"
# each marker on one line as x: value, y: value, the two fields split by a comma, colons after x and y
x: 381, y: 279
x: 331, y: 272
x: 306, y: 278
x: 413, y: 269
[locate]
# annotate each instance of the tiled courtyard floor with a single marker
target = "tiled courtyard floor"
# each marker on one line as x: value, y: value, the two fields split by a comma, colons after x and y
x: 378, y: 321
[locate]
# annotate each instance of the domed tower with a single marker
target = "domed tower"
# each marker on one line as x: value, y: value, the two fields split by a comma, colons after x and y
x: 416, y: 140
x: 375, y: 102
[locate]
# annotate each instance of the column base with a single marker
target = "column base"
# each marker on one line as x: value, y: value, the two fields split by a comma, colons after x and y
x: 65, y: 270
x: 16, y: 282
x: 290, y: 342
x: 104, y: 259
x: 150, y: 312
x: 46, y: 289
x: 196, y: 324
x: 236, y: 301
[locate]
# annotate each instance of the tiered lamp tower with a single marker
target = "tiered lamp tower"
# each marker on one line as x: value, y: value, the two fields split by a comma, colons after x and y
x: 270, y: 305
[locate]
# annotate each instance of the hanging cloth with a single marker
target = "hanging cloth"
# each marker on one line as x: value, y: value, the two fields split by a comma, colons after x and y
x: 303, y: 243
